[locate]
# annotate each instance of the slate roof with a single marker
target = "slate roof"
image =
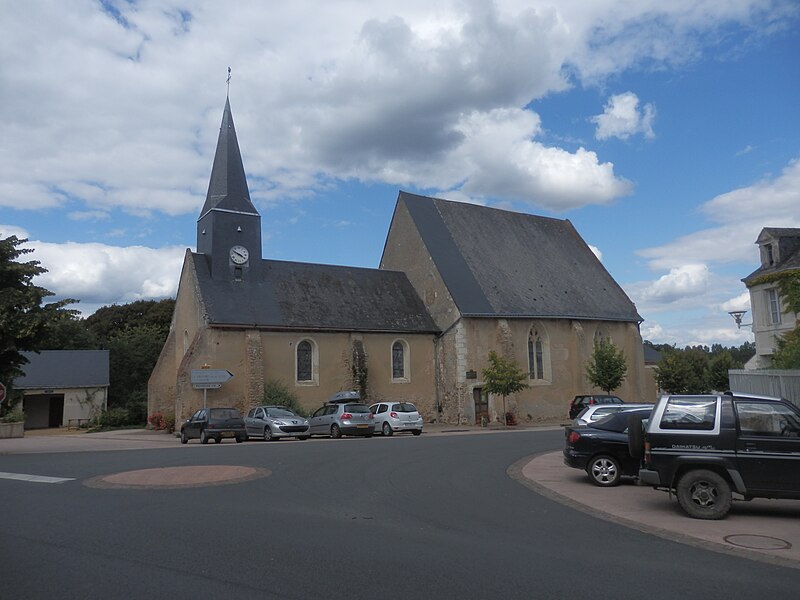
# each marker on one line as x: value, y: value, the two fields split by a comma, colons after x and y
x: 227, y: 187
x: 789, y: 240
x: 498, y: 263
x: 55, y: 369
x: 293, y: 295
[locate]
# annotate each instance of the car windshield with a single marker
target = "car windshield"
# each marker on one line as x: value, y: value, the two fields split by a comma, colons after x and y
x: 608, y: 400
x: 404, y: 407
x: 280, y: 412
x: 224, y: 413
x: 356, y: 408
x: 619, y: 421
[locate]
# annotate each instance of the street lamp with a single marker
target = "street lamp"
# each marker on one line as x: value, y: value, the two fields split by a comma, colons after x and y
x: 737, y: 316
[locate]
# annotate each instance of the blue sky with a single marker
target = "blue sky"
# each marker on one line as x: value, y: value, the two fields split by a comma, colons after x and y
x: 666, y: 132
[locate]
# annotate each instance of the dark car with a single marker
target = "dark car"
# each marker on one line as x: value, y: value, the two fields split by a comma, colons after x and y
x: 214, y: 424
x: 601, y: 448
x: 580, y: 402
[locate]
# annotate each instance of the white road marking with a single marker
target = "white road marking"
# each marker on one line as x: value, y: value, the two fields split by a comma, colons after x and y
x: 35, y: 478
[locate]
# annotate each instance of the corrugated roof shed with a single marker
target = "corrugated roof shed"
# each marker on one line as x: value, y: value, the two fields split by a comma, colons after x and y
x: 500, y: 263
x: 53, y: 369
x: 292, y: 295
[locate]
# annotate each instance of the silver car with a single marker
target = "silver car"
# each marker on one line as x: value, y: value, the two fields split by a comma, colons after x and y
x: 343, y: 415
x: 396, y: 416
x: 276, y: 422
x: 592, y: 413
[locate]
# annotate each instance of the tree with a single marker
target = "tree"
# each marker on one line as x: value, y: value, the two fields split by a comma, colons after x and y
x: 277, y: 393
x: 607, y: 368
x: 23, y: 318
x: 683, y: 372
x: 787, y: 354
x: 109, y: 320
x: 503, y: 377
x: 718, y: 369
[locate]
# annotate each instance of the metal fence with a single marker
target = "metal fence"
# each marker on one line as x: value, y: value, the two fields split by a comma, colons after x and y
x: 767, y: 382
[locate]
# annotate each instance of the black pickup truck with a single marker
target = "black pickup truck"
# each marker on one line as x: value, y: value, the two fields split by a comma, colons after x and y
x: 706, y: 448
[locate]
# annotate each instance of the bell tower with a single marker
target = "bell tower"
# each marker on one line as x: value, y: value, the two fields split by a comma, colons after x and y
x: 229, y: 227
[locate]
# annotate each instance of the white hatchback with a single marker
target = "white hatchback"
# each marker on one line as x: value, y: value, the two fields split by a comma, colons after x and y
x: 396, y: 416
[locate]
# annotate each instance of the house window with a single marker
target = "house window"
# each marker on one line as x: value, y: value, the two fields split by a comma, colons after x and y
x: 307, y: 359
x: 537, y: 355
x: 774, y: 306
x: 770, y: 255
x: 400, y: 362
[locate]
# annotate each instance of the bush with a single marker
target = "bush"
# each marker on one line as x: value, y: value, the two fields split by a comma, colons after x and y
x: 15, y: 416
x: 277, y: 393
x: 113, y: 417
x: 161, y: 423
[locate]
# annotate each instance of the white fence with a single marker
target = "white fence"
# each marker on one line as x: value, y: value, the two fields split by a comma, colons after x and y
x: 767, y: 382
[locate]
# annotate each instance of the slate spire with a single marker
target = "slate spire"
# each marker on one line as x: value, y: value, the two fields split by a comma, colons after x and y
x: 227, y: 188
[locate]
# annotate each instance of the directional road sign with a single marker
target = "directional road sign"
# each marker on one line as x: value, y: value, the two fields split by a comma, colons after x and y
x: 206, y: 386
x: 211, y: 375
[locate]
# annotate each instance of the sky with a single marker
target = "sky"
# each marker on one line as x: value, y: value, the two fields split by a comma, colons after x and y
x: 666, y: 132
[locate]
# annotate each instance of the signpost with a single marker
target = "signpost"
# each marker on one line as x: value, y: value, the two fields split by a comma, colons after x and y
x: 2, y: 393
x: 209, y: 379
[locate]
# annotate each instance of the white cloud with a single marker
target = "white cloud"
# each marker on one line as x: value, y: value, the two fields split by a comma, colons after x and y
x: 740, y: 302
x: 622, y: 118
x: 122, y: 113
x: 99, y: 274
x: 596, y: 251
x: 741, y: 215
x: 681, y: 282
x: 7, y: 231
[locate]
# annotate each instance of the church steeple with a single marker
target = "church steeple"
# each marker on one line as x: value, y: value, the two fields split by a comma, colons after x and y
x: 228, y: 219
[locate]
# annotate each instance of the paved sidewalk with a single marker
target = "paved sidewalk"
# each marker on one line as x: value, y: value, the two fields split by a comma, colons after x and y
x: 766, y: 530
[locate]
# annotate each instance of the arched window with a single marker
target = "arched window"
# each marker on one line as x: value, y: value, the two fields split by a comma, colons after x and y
x: 400, y: 362
x: 538, y: 355
x: 306, y: 359
x: 600, y: 335
x: 185, y: 341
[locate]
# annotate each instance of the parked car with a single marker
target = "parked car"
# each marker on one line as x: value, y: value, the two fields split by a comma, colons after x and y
x: 276, y: 422
x: 396, y: 416
x: 214, y: 424
x: 705, y: 448
x: 343, y: 414
x: 596, y: 412
x: 601, y: 448
x: 580, y: 402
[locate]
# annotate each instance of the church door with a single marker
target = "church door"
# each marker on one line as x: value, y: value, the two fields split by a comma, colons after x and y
x: 481, y: 399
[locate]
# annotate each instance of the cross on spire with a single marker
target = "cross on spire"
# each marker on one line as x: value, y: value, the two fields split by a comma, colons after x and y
x: 228, y: 81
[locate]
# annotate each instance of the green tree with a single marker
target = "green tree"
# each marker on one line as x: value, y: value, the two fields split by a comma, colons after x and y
x: 718, y: 368
x: 24, y: 318
x: 683, y: 372
x: 277, y: 393
x: 133, y: 353
x: 607, y: 368
x: 503, y: 377
x: 787, y: 354
x: 109, y: 320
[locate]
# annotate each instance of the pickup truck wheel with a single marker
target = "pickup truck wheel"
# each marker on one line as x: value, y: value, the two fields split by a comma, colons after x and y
x: 704, y: 494
x: 604, y: 471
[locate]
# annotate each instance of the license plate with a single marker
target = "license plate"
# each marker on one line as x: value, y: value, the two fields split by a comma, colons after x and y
x: 227, y: 434
x: 362, y: 426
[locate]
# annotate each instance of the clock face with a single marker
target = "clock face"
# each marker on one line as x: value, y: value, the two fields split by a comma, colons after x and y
x: 239, y: 255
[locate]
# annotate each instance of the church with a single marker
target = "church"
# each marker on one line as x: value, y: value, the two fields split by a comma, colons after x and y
x: 455, y: 282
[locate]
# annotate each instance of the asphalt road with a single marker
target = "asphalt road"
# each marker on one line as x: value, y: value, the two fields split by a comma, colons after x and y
x: 403, y: 517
